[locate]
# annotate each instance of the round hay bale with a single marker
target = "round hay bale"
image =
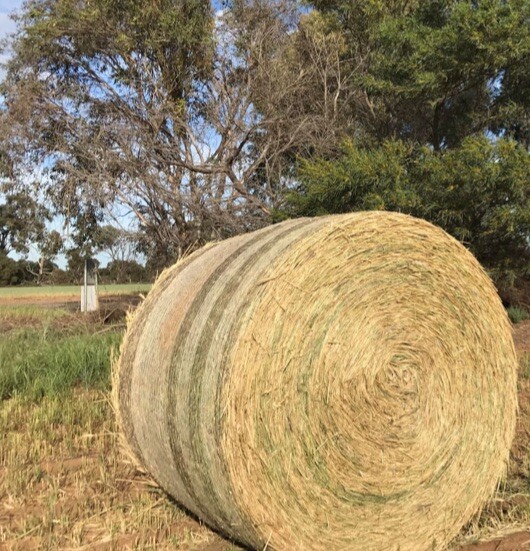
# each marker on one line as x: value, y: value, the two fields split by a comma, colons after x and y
x: 338, y: 383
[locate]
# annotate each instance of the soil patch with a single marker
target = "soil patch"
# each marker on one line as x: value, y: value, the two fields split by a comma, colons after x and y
x: 521, y: 337
x: 514, y: 542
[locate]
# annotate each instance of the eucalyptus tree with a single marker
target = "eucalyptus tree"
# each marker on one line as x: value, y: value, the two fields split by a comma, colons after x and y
x: 165, y: 112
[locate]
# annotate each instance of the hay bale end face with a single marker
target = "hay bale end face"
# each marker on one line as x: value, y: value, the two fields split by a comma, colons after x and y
x: 344, y: 382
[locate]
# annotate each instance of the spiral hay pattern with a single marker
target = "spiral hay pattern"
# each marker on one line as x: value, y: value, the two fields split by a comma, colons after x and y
x: 339, y: 383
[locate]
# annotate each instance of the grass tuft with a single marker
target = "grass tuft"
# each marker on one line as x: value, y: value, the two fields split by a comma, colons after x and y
x: 45, y: 363
x: 517, y: 314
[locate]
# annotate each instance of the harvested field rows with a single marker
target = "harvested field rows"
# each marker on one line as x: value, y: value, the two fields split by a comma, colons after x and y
x: 65, y: 484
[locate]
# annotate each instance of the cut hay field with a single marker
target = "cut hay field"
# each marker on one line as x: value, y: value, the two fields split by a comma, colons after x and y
x: 66, y: 292
x: 64, y: 482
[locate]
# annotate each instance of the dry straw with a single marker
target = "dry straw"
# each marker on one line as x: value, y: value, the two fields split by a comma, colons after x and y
x: 340, y: 383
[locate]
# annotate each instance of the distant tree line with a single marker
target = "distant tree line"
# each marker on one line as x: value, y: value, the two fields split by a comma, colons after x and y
x: 197, y: 125
x: 23, y: 226
x: 22, y: 272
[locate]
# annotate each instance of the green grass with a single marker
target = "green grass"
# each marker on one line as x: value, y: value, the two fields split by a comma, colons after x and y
x: 48, y: 351
x: 68, y: 290
x: 517, y: 314
x: 40, y: 363
x: 19, y: 312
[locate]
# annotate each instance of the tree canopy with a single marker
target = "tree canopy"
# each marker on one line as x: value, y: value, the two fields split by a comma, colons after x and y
x: 436, y: 71
x: 442, y: 124
x: 151, y: 109
x: 195, y: 125
x: 22, y: 221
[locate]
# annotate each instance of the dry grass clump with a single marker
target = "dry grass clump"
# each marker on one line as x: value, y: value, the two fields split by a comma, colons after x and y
x: 346, y: 382
x: 65, y: 485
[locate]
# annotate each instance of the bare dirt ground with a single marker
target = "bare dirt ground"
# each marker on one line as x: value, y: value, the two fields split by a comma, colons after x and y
x: 521, y: 337
x: 513, y: 542
x: 65, y: 484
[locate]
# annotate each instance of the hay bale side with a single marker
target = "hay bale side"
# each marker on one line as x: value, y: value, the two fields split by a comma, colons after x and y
x: 345, y: 382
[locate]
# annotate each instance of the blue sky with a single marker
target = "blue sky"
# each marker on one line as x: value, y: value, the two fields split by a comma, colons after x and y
x: 6, y: 7
x: 6, y: 24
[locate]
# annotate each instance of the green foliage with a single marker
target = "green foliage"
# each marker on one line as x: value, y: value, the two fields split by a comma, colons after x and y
x: 124, y: 271
x: 11, y: 271
x: 364, y: 178
x: 437, y: 71
x: 517, y: 314
x: 22, y: 272
x: 22, y: 220
x: 173, y: 34
x: 22, y: 223
x: 478, y: 192
x: 44, y: 363
x: 447, y: 60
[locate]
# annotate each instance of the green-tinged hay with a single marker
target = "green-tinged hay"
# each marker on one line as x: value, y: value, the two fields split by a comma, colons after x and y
x: 339, y: 383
